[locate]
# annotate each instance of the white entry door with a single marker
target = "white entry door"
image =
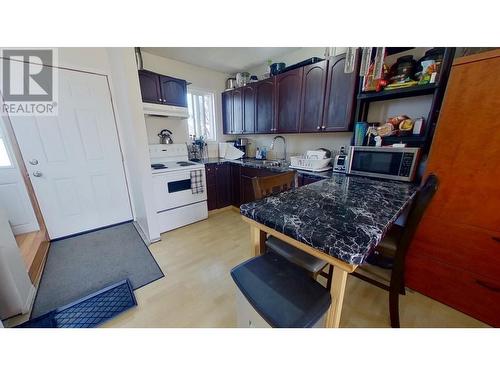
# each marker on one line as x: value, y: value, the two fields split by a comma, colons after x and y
x: 74, y: 159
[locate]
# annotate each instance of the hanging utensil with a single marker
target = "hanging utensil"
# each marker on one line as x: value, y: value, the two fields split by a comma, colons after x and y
x: 379, y: 63
x: 350, y: 59
x: 366, y: 57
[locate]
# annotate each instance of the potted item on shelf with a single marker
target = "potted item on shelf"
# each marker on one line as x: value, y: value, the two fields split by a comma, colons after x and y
x: 277, y: 68
x: 402, y: 73
x: 432, y: 56
x: 242, y: 79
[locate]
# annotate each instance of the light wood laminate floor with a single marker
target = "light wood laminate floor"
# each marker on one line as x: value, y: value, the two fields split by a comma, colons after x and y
x: 198, y: 291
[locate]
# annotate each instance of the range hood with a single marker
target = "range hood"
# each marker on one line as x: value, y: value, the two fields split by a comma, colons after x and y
x: 164, y: 110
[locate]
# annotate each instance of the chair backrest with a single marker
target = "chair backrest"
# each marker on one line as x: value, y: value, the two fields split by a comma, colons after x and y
x: 265, y: 186
x: 420, y: 204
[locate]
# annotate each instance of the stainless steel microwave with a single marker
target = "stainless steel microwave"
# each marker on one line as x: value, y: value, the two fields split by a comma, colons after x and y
x: 384, y: 162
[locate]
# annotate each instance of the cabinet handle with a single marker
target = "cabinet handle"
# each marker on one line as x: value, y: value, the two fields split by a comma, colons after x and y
x: 323, y: 127
x: 487, y: 285
x: 318, y: 127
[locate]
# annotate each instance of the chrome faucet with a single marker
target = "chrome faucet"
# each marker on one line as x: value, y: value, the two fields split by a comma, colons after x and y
x: 284, y: 145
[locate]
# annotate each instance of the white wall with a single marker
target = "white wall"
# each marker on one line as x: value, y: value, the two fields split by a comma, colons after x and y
x: 199, y: 77
x: 133, y: 138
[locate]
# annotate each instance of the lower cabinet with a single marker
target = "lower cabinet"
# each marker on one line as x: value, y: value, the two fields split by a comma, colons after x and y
x: 235, y: 181
x: 211, y: 186
x: 223, y: 176
x: 231, y: 184
x: 219, y: 186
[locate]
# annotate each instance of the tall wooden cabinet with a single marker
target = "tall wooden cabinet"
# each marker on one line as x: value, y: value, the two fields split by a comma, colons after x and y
x: 287, y: 105
x: 340, y: 93
x: 264, y: 106
x: 455, y: 256
x: 313, y: 95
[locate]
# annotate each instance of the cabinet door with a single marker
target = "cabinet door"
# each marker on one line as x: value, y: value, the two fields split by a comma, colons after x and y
x: 238, y: 111
x: 173, y: 91
x: 288, y: 91
x: 339, y: 97
x: 248, y: 109
x: 150, y: 87
x: 313, y: 96
x: 264, y: 106
x: 235, y: 188
x: 223, y: 175
x: 227, y: 112
x: 211, y: 186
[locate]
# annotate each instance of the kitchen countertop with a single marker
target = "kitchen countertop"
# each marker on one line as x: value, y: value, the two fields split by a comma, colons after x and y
x: 254, y: 163
x: 343, y: 216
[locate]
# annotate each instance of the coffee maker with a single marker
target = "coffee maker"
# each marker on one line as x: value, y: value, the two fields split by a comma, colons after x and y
x: 242, y: 144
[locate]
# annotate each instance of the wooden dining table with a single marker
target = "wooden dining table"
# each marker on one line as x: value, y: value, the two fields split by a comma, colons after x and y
x: 339, y: 220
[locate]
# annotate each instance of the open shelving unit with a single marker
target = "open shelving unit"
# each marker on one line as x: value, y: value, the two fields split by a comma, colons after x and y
x: 437, y: 90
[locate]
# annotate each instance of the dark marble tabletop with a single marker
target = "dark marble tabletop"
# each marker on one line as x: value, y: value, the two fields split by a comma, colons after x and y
x: 343, y: 216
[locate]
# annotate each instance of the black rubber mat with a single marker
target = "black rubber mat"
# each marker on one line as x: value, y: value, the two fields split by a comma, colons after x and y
x: 89, y: 311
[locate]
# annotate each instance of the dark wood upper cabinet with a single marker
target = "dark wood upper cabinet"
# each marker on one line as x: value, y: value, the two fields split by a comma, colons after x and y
x: 313, y: 95
x: 159, y: 89
x: 150, y: 87
x: 288, y: 93
x: 264, y: 106
x: 227, y: 112
x: 248, y: 109
x: 173, y: 91
x: 314, y: 98
x: 340, y: 96
x: 238, y: 111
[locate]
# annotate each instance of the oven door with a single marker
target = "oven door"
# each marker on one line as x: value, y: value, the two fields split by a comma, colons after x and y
x: 173, y: 189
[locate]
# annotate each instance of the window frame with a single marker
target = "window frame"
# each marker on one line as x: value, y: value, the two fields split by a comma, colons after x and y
x: 203, y: 91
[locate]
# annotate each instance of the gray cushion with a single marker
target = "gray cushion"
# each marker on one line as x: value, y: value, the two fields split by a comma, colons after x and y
x: 294, y: 255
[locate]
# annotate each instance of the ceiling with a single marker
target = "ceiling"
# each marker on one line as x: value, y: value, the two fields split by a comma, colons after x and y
x: 221, y: 59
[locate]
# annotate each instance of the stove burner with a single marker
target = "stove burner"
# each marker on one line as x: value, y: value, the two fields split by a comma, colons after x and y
x: 159, y: 166
x: 185, y: 163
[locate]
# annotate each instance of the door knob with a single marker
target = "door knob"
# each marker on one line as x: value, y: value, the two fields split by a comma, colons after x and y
x: 37, y: 174
x: 33, y: 162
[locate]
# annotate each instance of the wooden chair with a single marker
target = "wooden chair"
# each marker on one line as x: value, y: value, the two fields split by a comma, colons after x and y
x: 266, y: 186
x: 395, y: 245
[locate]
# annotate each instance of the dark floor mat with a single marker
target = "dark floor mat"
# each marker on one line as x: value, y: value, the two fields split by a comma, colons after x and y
x: 89, y: 311
x: 82, y: 264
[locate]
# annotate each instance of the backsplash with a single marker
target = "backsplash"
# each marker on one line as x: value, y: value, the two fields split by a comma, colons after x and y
x: 298, y: 143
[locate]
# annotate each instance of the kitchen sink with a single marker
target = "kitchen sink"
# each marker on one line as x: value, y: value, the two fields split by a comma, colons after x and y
x: 275, y: 163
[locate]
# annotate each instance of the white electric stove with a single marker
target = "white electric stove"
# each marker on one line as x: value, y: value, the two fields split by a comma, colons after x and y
x: 176, y: 204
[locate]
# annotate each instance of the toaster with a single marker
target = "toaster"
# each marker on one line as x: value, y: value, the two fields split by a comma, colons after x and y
x: 340, y: 163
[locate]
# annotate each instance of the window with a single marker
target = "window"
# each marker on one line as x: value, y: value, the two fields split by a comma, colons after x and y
x: 201, y: 120
x: 4, y: 155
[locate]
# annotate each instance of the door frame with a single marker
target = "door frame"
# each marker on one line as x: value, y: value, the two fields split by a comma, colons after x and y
x: 16, y: 151
x: 19, y: 158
